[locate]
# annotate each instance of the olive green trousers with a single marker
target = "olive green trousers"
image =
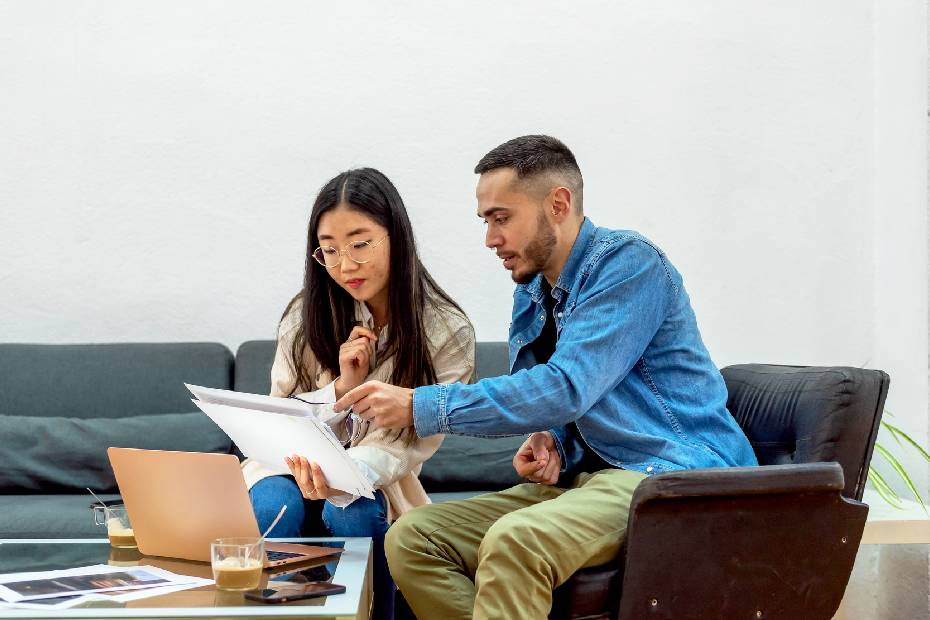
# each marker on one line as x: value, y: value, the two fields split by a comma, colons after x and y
x: 500, y: 555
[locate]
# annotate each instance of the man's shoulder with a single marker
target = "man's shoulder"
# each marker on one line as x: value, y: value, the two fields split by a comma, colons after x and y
x: 610, y: 246
x: 621, y: 238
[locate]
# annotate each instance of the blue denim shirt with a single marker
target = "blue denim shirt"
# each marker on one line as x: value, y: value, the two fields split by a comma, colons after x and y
x: 629, y: 368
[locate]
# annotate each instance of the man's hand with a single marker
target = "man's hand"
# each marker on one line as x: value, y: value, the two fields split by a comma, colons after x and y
x: 309, y: 478
x: 538, y: 460
x: 384, y: 405
x: 354, y: 356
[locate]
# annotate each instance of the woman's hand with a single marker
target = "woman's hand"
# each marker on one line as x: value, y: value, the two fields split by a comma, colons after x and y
x: 354, y: 356
x: 309, y: 478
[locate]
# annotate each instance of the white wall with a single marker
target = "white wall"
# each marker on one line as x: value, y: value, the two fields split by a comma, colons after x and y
x: 158, y: 161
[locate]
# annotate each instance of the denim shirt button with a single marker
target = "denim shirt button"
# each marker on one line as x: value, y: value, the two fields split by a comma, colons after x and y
x: 542, y: 317
x: 649, y: 469
x: 559, y: 315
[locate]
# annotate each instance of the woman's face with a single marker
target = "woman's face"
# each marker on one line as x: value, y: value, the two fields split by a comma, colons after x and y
x: 344, y: 229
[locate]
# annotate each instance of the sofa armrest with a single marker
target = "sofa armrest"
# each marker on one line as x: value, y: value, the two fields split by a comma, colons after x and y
x: 732, y: 481
x: 737, y: 542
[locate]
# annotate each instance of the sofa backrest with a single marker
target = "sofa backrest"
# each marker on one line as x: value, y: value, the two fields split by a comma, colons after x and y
x: 108, y: 380
x: 253, y: 366
x: 810, y: 414
x: 62, y: 406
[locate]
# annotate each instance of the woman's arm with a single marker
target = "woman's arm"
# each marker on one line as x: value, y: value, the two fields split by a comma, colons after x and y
x: 383, y: 451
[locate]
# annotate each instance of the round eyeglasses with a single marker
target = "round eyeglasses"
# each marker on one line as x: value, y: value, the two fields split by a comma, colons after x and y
x: 359, y: 251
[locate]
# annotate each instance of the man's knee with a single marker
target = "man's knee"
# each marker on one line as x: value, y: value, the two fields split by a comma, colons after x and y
x: 406, y: 537
x: 512, y: 533
x: 406, y: 531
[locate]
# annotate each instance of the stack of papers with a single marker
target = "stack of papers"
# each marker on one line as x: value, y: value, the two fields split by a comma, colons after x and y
x: 61, y: 589
x: 268, y: 428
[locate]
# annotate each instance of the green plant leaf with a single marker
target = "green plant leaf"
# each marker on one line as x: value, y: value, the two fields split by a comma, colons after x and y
x: 897, y: 432
x: 884, y: 489
x: 891, y: 431
x: 903, y: 474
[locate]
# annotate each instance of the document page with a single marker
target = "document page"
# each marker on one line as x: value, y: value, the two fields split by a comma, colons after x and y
x: 267, y: 430
x: 97, y: 579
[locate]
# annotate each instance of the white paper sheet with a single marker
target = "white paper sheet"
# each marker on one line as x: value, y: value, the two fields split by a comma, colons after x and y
x: 278, y: 429
x: 244, y: 400
x: 165, y: 579
x: 67, y: 602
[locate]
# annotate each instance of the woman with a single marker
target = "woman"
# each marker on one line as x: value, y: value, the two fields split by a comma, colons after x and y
x: 368, y: 311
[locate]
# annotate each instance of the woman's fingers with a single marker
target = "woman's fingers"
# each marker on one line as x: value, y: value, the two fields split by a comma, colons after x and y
x: 362, y: 332
x: 319, y: 480
x: 355, y: 347
x: 301, y: 473
x: 357, y: 351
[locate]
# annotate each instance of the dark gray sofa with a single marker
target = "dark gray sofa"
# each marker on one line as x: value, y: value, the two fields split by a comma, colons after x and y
x: 61, y: 406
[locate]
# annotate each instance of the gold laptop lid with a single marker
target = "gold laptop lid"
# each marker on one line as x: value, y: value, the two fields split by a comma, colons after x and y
x: 179, y: 502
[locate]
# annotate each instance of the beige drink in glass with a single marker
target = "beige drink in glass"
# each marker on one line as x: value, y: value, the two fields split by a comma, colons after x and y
x: 119, y: 531
x: 237, y: 562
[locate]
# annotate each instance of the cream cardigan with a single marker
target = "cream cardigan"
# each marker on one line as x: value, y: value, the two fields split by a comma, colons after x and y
x: 394, y: 462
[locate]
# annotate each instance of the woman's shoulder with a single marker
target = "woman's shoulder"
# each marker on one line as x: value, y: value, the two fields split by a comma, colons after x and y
x: 291, y: 318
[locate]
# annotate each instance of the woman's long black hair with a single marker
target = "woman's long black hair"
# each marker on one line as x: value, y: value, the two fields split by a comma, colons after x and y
x: 328, y: 311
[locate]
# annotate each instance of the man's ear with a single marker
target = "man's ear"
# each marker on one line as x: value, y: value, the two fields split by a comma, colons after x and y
x: 560, y: 202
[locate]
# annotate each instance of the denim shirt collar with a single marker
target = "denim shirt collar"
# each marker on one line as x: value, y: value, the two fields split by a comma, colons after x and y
x: 569, y: 272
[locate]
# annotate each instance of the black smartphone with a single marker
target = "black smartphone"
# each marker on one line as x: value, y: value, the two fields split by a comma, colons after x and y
x: 283, y: 592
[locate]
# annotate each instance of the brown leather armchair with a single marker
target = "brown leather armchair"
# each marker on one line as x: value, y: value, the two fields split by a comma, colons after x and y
x: 776, y: 541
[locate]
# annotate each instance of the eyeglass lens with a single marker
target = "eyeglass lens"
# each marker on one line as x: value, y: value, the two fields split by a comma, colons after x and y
x: 359, y: 251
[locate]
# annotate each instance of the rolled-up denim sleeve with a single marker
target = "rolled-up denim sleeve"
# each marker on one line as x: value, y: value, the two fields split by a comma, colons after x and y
x: 623, y: 301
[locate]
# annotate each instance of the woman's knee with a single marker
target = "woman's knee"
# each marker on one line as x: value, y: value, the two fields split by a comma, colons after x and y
x: 269, y: 495
x: 363, y: 517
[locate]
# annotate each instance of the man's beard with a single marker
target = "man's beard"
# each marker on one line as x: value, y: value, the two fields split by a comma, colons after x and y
x: 537, y: 252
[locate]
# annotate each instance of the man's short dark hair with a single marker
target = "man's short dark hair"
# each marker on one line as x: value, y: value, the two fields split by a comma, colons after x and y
x: 532, y: 157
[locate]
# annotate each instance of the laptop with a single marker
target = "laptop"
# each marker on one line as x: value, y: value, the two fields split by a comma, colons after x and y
x: 180, y: 502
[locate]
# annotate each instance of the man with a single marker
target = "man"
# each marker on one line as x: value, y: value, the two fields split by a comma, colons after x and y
x: 605, y: 353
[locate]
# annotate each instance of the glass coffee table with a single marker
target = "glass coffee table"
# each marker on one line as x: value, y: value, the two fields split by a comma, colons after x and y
x: 352, y: 569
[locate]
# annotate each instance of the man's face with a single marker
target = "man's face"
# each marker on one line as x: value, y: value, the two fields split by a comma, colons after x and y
x: 518, y: 230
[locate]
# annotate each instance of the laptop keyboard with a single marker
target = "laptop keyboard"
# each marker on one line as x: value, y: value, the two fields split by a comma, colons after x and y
x: 274, y: 556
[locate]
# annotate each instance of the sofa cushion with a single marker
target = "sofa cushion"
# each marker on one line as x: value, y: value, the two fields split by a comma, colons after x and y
x: 492, y: 359
x: 49, y: 516
x: 472, y: 463
x: 108, y: 380
x: 56, y: 454
x: 253, y: 366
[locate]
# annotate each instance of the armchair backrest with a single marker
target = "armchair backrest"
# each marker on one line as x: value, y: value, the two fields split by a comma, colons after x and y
x: 808, y: 414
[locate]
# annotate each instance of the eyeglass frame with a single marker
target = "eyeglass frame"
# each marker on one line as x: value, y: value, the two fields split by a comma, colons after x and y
x: 345, y: 251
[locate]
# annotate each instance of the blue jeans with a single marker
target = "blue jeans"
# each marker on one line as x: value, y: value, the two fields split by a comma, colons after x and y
x: 363, y: 517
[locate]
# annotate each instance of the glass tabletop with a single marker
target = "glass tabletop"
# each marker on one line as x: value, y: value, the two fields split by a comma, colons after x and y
x: 351, y: 569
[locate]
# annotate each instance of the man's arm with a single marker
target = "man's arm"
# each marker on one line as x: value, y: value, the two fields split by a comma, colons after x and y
x: 621, y: 307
